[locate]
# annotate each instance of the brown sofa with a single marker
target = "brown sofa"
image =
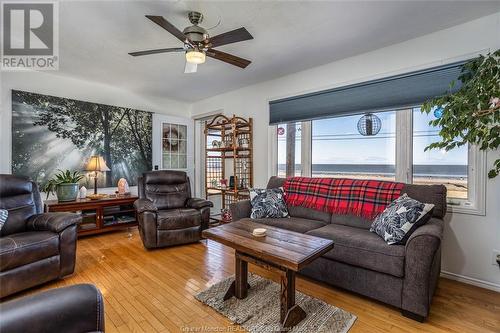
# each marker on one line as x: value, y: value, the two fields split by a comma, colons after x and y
x: 74, y: 309
x: 166, y: 212
x: 404, y: 276
x: 35, y: 247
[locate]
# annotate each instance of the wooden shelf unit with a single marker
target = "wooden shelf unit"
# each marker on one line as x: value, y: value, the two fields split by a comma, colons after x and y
x: 99, y: 216
x: 236, y: 134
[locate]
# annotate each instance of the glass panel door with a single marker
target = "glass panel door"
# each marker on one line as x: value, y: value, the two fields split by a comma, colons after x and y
x: 174, y: 146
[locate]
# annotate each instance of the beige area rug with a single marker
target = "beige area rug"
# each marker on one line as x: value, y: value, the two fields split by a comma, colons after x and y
x: 260, y: 310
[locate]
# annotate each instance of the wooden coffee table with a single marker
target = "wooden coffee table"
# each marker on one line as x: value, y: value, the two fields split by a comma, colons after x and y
x: 282, y: 251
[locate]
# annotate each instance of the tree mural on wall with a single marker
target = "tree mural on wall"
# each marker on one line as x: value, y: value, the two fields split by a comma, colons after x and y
x: 122, y: 136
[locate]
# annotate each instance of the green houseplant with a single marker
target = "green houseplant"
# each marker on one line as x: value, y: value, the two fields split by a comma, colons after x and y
x: 471, y: 115
x: 65, y: 184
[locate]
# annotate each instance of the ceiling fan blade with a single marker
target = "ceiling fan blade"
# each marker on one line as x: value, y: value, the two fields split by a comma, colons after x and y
x: 229, y: 37
x: 190, y: 68
x: 172, y: 49
x: 167, y: 26
x: 229, y: 58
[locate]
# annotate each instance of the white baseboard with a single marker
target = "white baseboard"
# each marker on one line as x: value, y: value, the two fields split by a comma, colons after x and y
x: 472, y: 281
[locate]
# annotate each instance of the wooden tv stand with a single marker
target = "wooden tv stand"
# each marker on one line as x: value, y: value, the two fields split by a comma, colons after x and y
x: 101, y: 215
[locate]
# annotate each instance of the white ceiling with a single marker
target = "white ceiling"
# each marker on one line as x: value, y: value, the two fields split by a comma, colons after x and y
x: 95, y: 37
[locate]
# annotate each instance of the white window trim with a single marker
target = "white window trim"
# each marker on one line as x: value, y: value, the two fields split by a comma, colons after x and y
x: 306, y: 148
x: 272, y: 151
x: 475, y: 204
x: 404, y: 139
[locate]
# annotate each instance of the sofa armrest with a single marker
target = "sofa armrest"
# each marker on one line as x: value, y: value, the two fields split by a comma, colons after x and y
x: 55, y: 222
x: 198, y: 203
x: 433, y: 228
x: 78, y: 308
x: 240, y: 209
x: 422, y: 267
x: 144, y: 205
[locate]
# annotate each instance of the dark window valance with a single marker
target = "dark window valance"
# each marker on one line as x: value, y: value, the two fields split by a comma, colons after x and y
x: 390, y: 93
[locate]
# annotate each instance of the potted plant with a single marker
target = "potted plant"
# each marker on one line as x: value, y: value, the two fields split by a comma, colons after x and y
x: 471, y: 115
x: 65, y: 184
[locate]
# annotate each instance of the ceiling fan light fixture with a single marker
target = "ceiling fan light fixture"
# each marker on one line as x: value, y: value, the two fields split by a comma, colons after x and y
x: 198, y: 44
x: 195, y: 57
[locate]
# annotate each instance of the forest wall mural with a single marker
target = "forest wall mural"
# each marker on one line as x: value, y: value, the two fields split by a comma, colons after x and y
x: 51, y: 133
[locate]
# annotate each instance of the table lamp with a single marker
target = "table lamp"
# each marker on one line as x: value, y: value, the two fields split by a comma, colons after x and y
x: 96, y: 163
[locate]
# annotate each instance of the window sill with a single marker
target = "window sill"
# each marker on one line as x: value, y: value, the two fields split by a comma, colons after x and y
x: 466, y: 208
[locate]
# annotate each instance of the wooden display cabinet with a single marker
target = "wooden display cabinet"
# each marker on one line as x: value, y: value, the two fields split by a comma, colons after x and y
x: 229, y: 140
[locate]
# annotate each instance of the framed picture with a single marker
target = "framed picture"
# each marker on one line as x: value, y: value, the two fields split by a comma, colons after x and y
x: 51, y: 133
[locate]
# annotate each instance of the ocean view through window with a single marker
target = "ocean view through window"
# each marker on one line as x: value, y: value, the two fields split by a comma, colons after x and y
x: 334, y: 147
x: 438, y: 166
x: 339, y: 150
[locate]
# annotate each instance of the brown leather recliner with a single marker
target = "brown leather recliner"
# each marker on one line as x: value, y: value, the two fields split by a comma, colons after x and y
x: 77, y: 308
x: 166, y: 212
x: 35, y: 247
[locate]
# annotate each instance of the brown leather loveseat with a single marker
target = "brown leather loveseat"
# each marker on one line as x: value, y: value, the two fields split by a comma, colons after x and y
x: 35, y: 247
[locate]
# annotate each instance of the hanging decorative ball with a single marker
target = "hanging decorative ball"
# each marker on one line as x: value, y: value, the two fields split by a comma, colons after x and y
x: 369, y: 125
x: 438, y: 112
x: 281, y: 131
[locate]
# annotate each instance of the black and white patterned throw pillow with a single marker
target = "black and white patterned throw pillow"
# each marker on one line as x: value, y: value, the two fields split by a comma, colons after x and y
x: 268, y: 203
x: 400, y: 219
x: 3, y: 217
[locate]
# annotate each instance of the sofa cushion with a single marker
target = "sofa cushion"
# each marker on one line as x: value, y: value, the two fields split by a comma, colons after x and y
x: 359, y: 247
x: 432, y: 194
x: 398, y: 221
x: 351, y: 221
x: 267, y: 203
x: 309, y: 213
x: 27, y: 247
x: 178, y: 218
x: 275, y: 182
x: 4, y: 214
x: 167, y: 189
x: 21, y: 198
x: 292, y: 223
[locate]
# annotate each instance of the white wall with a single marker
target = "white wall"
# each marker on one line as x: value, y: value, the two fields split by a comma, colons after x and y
x: 469, y: 240
x: 56, y: 85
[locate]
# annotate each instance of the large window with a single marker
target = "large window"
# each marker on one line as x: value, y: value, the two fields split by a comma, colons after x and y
x: 339, y: 150
x: 437, y: 166
x: 334, y: 147
x: 289, y: 149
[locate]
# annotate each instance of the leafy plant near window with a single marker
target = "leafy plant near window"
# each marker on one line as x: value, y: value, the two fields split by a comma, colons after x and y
x: 63, y: 177
x: 472, y: 114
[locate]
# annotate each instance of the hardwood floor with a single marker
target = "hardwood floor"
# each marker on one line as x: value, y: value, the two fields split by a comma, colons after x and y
x: 152, y: 291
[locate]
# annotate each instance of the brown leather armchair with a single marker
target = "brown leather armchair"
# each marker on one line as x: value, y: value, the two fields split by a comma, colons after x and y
x: 78, y: 308
x: 166, y: 212
x: 35, y: 247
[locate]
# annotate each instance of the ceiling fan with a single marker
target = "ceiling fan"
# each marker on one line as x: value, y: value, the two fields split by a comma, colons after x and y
x: 198, y: 43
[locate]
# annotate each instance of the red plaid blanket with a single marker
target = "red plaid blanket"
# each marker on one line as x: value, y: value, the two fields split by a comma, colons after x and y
x: 365, y: 198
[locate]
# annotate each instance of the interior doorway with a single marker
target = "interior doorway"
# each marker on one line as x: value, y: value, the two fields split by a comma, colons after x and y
x: 173, y: 144
x: 199, y: 159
